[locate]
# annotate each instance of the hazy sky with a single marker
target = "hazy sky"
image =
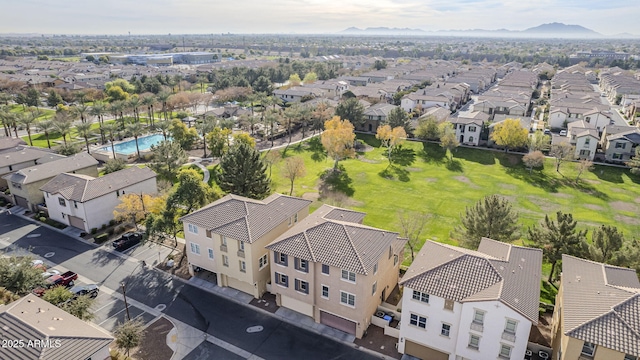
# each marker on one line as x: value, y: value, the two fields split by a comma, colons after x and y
x: 307, y: 16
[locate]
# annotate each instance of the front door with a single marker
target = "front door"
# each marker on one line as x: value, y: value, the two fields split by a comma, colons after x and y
x: 383, y: 296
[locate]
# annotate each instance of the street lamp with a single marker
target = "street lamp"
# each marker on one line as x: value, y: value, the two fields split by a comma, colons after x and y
x: 126, y: 306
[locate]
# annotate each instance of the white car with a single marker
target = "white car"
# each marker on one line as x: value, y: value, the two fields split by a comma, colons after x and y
x: 563, y: 132
x: 35, y: 263
x: 49, y: 273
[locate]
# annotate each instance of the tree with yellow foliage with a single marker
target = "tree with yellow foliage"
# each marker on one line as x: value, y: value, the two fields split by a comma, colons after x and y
x: 134, y: 207
x: 337, y: 139
x: 390, y: 138
x: 510, y: 134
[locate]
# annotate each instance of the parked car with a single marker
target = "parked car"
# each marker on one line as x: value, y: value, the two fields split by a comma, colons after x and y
x: 49, y: 273
x: 38, y: 264
x: 127, y: 240
x: 91, y: 289
x: 67, y: 280
x: 546, y: 132
x: 563, y: 132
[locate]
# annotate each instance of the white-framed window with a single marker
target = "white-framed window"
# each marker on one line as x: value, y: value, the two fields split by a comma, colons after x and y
x: 420, y: 296
x: 282, y: 279
x: 587, y: 141
x: 505, y: 351
x: 192, y: 228
x: 302, y: 286
x: 223, y: 240
x: 225, y: 260
x: 210, y: 252
x: 474, y: 341
x: 395, y: 260
x: 374, y: 288
x: 290, y: 221
x: 470, y: 138
x: 62, y: 202
x: 510, y: 326
x: 478, y: 317
x: 325, y: 291
x: 348, y: 275
x: 417, y: 320
x: 325, y: 269
x: 280, y: 258
x: 263, y: 261
x: 243, y: 266
x: 375, y: 269
x: 446, y: 330
x: 472, y: 129
x: 195, y: 248
x: 240, y: 245
x: 347, y: 299
x: 620, y: 145
x: 302, y: 265
x: 295, y: 218
x: 588, y: 349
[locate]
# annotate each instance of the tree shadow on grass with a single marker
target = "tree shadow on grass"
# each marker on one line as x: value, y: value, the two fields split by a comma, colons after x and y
x: 370, y: 140
x: 609, y: 174
x: 508, y: 160
x: 431, y: 154
x: 473, y: 155
x: 392, y: 172
x: 454, y: 165
x: 402, y: 156
x: 318, y: 154
x: 584, y: 188
x: 333, y: 180
x: 535, y: 178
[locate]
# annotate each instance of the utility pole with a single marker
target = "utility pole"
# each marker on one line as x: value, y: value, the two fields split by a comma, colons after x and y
x: 126, y: 306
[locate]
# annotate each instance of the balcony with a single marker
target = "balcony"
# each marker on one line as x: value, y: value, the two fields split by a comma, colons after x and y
x: 509, y: 336
x: 240, y: 254
x: 477, y: 326
x: 223, y: 248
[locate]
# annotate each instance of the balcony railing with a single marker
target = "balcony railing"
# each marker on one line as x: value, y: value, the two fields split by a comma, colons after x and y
x: 477, y: 326
x: 509, y: 336
x: 241, y: 254
x: 223, y: 248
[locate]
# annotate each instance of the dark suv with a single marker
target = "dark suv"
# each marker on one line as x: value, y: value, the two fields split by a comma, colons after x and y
x: 127, y: 240
x: 90, y: 289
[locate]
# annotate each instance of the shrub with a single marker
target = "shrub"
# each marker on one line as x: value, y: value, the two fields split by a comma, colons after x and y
x: 112, y: 222
x: 42, y: 219
x: 104, y: 226
x: 68, y: 150
x: 110, y: 232
x: 101, y: 238
x: 94, y: 231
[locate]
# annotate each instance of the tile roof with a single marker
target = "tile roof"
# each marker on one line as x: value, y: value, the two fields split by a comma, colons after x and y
x: 601, y: 304
x: 50, y: 169
x: 497, y: 271
x: 31, y: 318
x: 20, y: 155
x: 335, y: 237
x: 83, y: 188
x: 245, y: 219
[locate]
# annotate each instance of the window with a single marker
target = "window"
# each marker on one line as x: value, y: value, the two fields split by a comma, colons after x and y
x: 289, y: 221
x: 588, y: 119
x: 347, y: 299
x: 263, y: 261
x: 419, y: 321
x: 395, y: 260
x: 474, y: 341
x: 390, y: 252
x: 193, y: 229
x: 588, y: 349
x: 240, y: 245
x: 117, y: 193
x: 295, y: 218
x: 446, y: 329
x: 585, y: 152
x: 243, y: 266
x: 448, y: 304
x: 374, y: 288
x: 195, y: 248
x: 302, y: 265
x: 472, y: 129
x: 420, y: 296
x: 505, y: 351
x: 630, y: 357
x: 620, y: 145
x: 325, y: 269
x: 281, y: 258
x: 478, y: 317
x: 470, y: 138
x: 282, y: 279
x: 223, y: 240
x: 510, y: 326
x: 62, y: 202
x: 617, y: 156
x: 210, y: 251
x: 348, y: 275
x: 225, y: 260
x: 325, y: 291
x: 302, y: 286
x: 587, y: 141
x: 375, y: 269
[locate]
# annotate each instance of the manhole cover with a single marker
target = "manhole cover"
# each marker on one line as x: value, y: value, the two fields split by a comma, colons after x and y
x: 254, y: 329
x: 33, y: 235
x: 161, y: 307
x: 49, y: 254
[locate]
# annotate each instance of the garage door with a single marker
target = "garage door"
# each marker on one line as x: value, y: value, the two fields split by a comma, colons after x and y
x: 297, y: 305
x: 338, y: 322
x: 423, y: 352
x: 22, y: 202
x: 76, y: 222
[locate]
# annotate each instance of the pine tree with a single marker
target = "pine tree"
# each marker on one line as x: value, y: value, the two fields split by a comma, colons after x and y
x: 243, y: 172
x: 491, y: 217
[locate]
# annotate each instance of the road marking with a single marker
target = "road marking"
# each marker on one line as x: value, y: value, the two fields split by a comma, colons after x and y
x: 112, y: 316
x: 49, y: 254
x: 33, y: 235
x: 104, y: 306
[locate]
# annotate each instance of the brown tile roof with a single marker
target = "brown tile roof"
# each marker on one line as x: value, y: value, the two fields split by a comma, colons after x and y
x: 32, y: 318
x: 245, y: 219
x: 83, y: 188
x: 50, y: 169
x: 601, y: 304
x: 335, y: 237
x: 497, y: 271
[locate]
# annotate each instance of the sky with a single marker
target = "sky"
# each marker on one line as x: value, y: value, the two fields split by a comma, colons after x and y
x: 608, y: 17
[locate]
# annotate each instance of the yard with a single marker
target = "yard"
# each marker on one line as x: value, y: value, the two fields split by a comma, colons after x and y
x: 430, y: 183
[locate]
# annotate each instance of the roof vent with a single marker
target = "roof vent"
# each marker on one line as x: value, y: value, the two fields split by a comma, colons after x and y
x: 516, y: 300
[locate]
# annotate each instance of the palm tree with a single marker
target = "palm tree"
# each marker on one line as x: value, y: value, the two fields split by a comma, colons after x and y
x: 112, y: 130
x: 149, y: 101
x: 27, y: 120
x: 117, y: 108
x: 134, y: 103
x: 291, y: 115
x: 135, y: 129
x: 81, y: 110
x: 163, y: 96
x: 205, y: 127
x: 98, y: 110
x: 46, y: 126
x: 163, y: 125
x: 272, y: 118
x: 305, y: 116
x: 63, y: 127
x: 5, y: 117
x: 84, y: 129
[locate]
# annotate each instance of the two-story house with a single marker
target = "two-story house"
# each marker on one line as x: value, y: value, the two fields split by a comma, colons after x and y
x: 376, y: 115
x: 584, y: 137
x: 469, y: 127
x: 463, y: 304
x: 620, y: 147
x: 87, y: 202
x: 335, y: 270
x: 596, y: 312
x: 18, y: 158
x: 228, y: 238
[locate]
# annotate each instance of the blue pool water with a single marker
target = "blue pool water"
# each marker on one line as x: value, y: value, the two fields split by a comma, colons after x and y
x: 129, y: 147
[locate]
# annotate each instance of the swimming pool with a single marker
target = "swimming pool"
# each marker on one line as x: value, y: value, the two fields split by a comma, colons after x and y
x: 129, y: 147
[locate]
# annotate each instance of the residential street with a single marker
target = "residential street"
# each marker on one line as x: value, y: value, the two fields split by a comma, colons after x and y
x: 218, y: 316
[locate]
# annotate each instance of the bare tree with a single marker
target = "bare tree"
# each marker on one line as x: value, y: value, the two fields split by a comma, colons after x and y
x: 412, y: 224
x: 293, y: 168
x: 584, y: 165
x: 562, y: 152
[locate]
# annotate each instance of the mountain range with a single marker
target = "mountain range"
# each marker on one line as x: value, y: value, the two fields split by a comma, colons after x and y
x: 551, y: 30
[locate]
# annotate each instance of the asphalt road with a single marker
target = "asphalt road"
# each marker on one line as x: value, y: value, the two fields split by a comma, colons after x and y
x: 218, y: 316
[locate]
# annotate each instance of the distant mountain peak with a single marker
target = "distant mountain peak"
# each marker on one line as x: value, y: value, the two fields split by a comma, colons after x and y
x: 560, y: 28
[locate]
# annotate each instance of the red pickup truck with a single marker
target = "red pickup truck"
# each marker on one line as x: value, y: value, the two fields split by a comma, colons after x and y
x: 66, y: 279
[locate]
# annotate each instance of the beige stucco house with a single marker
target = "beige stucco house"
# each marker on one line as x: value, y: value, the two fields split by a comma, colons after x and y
x: 25, y: 184
x: 18, y: 158
x: 335, y: 270
x: 596, y: 312
x: 228, y: 237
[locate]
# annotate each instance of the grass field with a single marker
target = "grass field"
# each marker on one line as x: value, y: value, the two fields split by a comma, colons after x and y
x: 429, y: 182
x: 40, y: 140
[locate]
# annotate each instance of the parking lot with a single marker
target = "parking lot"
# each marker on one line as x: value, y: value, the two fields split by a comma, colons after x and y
x: 109, y: 311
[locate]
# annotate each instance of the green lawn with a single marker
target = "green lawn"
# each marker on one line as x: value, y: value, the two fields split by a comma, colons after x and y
x: 433, y: 184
